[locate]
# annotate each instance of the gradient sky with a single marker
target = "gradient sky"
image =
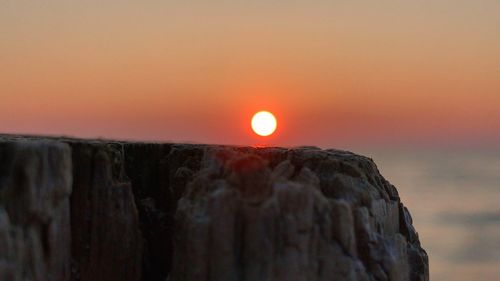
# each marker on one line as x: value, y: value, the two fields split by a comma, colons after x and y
x: 336, y: 73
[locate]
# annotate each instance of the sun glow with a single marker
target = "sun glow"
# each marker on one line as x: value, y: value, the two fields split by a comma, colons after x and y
x: 264, y: 123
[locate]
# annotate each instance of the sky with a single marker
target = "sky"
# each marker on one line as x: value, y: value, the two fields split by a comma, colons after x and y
x: 335, y: 73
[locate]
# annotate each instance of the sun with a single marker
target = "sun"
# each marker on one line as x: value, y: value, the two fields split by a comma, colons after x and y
x: 264, y: 123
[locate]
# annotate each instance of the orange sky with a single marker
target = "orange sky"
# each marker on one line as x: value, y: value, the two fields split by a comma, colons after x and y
x: 336, y: 73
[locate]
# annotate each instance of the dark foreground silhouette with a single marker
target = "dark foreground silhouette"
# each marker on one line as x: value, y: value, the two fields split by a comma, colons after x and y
x: 106, y: 210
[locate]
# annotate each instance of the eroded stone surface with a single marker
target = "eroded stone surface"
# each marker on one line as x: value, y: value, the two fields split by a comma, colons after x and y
x: 107, y: 241
x: 35, y: 185
x: 99, y: 210
x: 313, y: 215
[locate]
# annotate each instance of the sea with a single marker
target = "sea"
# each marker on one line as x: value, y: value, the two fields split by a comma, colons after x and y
x: 454, y: 198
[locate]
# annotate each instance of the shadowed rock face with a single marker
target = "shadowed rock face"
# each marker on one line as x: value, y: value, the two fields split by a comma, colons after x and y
x: 95, y: 210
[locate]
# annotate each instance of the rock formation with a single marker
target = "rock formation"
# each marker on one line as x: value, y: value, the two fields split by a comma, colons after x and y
x: 101, y: 210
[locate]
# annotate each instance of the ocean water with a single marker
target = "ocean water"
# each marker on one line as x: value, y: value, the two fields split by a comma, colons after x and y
x: 454, y: 199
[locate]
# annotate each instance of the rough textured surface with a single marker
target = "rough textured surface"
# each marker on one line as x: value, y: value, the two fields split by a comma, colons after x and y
x: 35, y: 236
x: 106, y: 238
x: 96, y: 210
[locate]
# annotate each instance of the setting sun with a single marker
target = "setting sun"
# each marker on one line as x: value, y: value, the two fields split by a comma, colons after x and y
x: 264, y: 123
